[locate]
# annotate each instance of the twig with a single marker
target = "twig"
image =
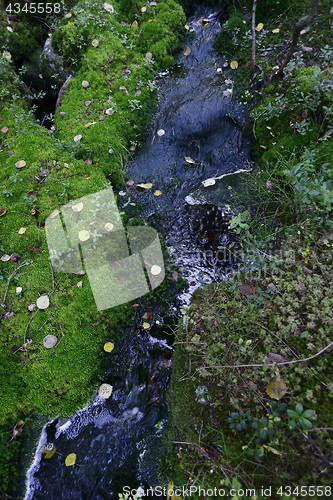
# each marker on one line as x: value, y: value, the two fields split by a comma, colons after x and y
x: 25, y: 333
x: 322, y: 456
x: 9, y: 280
x: 277, y: 364
x: 53, y: 285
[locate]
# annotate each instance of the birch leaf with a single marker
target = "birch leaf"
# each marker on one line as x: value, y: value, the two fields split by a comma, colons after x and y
x: 70, y: 459
x: 259, y: 27
x: 276, y: 388
x: 208, y: 182
x: 43, y: 302
x: 49, y: 450
x: 148, y: 185
x: 108, y: 347
x: 276, y: 30
x: 234, y: 65
x: 146, y: 325
x: 108, y: 226
x: 50, y: 341
x: 189, y: 160
x: 105, y: 391
x: 95, y: 43
x: 84, y: 235
x: 22, y: 230
x: 78, y: 207
x: 20, y: 164
x: 187, y: 51
x: 155, y: 270
x: 157, y: 192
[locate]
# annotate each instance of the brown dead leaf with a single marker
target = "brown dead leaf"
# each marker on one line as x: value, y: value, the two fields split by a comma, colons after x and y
x: 147, y: 315
x: 187, y: 51
x: 246, y: 289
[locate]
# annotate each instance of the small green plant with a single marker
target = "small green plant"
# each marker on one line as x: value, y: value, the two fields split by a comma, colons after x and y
x: 239, y: 420
x: 298, y: 416
x: 134, y: 104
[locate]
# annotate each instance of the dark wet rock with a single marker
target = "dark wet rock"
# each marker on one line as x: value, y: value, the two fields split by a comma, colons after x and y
x: 51, y: 66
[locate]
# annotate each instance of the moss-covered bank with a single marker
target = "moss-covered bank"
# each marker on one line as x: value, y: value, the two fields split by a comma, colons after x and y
x: 45, y: 169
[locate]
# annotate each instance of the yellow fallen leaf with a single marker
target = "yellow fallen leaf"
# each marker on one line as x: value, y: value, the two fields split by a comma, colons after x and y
x: 273, y: 450
x: 54, y: 214
x: 276, y: 30
x: 145, y: 186
x: 150, y: 20
x: 20, y: 164
x: 95, y: 43
x: 108, y: 347
x: 3, y: 210
x: 88, y: 124
x: 146, y: 325
x: 49, y: 450
x: 69, y: 15
x: 157, y: 192
x: 78, y: 207
x: 84, y: 235
x: 135, y: 24
x: 234, y: 65
x: 70, y: 459
x: 22, y: 230
x: 187, y: 27
x: 259, y: 27
x: 108, y: 226
x: 276, y: 388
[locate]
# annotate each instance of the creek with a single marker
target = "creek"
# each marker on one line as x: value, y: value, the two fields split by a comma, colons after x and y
x: 117, y: 440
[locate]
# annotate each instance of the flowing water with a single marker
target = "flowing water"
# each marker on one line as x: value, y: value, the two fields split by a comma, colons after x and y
x: 117, y: 440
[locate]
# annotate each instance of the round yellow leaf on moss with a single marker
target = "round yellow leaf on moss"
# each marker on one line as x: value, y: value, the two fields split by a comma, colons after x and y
x: 78, y: 207
x: 108, y: 347
x: 84, y: 235
x: 20, y: 164
x: 259, y: 27
x: 108, y: 226
x: 70, y: 459
x: 146, y: 325
x: 95, y: 43
x: 234, y: 65
x: 276, y: 30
